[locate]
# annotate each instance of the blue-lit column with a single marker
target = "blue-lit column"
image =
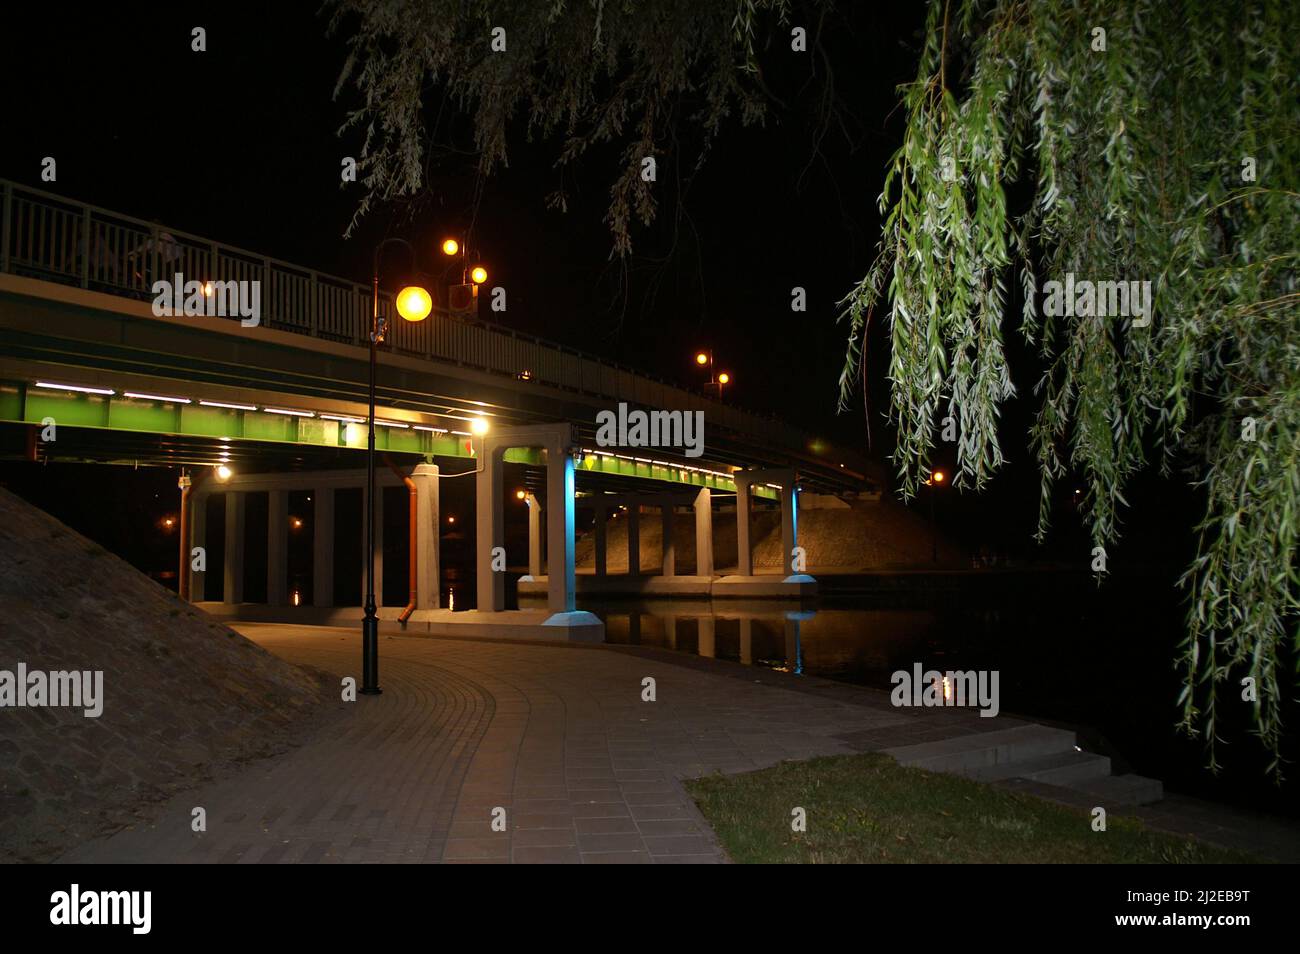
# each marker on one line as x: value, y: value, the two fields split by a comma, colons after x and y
x: 560, y: 569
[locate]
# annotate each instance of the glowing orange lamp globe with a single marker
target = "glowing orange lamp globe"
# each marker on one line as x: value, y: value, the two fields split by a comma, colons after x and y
x: 414, y: 303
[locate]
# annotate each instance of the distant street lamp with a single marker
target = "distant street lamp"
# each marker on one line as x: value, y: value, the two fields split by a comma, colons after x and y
x: 705, y: 359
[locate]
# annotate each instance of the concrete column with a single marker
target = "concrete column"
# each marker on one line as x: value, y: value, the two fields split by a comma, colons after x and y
x: 634, y: 539
x: 789, y: 529
x: 744, y: 556
x: 198, y: 538
x: 746, y: 641
x: 534, y: 535
x: 561, y: 582
x: 670, y: 551
x: 428, y: 558
x: 707, y: 645
x: 634, y: 628
x: 704, y: 533
x: 600, y: 527
x: 233, y: 591
x: 277, y: 547
x: 322, y: 542
x: 490, y: 515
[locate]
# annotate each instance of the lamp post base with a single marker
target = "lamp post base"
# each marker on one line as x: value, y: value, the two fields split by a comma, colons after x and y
x: 370, y: 656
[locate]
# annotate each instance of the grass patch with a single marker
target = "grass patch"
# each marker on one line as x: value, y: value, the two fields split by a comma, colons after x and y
x: 869, y: 809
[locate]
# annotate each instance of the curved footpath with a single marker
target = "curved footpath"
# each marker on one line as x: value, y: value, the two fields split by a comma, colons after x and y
x: 557, y: 735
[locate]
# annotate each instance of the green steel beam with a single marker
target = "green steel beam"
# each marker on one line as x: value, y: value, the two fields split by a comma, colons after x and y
x: 21, y: 403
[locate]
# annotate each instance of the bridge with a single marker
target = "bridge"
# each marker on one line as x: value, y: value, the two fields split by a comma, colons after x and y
x: 89, y: 371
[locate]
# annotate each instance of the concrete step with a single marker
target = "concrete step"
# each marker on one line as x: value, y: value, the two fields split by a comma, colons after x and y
x: 1059, y: 768
x: 984, y: 750
x: 1122, y: 789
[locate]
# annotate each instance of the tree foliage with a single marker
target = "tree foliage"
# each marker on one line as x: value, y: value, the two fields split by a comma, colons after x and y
x: 627, y: 73
x: 1163, y: 151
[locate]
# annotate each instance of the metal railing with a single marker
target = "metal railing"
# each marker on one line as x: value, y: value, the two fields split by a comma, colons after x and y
x: 61, y: 240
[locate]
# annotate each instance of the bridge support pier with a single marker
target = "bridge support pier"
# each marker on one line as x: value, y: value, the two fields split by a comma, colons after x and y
x: 277, y: 548
x: 744, y: 555
x: 233, y: 590
x: 322, y: 561
x: 534, y: 535
x: 634, y: 539
x: 704, y: 533
x: 428, y: 562
x: 789, y: 520
x: 198, y: 538
x: 670, y: 550
x: 601, y: 527
x: 557, y: 441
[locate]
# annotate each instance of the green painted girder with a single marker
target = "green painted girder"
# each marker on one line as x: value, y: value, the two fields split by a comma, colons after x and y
x: 24, y: 404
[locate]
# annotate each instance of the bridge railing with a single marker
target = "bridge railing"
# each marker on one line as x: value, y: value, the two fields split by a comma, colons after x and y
x: 46, y: 236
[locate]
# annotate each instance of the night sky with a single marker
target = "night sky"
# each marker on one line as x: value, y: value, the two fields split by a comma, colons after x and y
x: 240, y: 144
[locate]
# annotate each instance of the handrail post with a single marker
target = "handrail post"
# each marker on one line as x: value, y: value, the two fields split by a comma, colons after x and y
x: 266, y: 291
x: 85, y: 248
x: 7, y: 224
x: 313, y: 319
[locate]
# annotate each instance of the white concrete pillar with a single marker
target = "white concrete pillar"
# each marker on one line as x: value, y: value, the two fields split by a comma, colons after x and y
x: 560, y: 569
x: 534, y: 535
x: 704, y: 532
x: 744, y: 555
x: 670, y: 632
x: 233, y: 591
x: 670, y: 551
x: 198, y: 538
x: 789, y: 526
x: 634, y: 539
x: 322, y: 543
x: 489, y: 508
x: 277, y: 547
x: 600, y: 527
x: 428, y: 557
x: 746, y: 641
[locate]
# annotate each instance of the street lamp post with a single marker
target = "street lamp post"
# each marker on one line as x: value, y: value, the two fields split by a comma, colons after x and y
x: 414, y: 304
x: 705, y: 358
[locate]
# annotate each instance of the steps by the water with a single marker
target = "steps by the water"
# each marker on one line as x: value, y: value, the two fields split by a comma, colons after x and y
x: 1032, y: 753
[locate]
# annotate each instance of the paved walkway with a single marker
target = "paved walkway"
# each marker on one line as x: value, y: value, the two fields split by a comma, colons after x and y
x: 557, y: 736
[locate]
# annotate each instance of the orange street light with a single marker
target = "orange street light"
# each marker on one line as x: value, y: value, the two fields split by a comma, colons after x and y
x: 938, y: 476
x: 724, y: 378
x: 414, y: 303
x: 520, y: 494
x: 701, y: 358
x: 450, y: 246
x: 478, y: 274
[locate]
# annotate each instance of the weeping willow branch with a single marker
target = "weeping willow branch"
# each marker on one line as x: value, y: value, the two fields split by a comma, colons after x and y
x: 1159, y: 141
